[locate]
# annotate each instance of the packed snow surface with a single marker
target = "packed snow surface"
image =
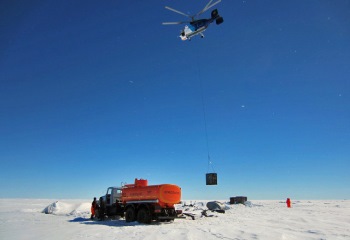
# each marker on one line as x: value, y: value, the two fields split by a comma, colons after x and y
x: 70, y: 219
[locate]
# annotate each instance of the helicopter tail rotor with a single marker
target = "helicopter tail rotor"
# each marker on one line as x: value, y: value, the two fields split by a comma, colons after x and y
x: 219, y: 20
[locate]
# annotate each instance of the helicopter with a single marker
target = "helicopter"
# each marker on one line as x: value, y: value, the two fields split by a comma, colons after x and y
x: 197, y: 27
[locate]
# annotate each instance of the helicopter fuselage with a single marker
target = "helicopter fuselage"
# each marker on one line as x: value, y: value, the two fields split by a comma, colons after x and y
x: 200, y: 23
x: 194, y: 28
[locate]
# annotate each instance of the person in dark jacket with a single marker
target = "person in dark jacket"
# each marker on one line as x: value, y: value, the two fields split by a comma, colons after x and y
x: 102, y: 209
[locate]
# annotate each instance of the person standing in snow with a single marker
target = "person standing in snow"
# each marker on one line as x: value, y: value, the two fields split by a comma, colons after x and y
x: 289, y: 203
x: 93, y: 208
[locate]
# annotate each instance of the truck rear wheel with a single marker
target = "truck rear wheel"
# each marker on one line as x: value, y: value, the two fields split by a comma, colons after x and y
x: 144, y: 216
x: 130, y: 215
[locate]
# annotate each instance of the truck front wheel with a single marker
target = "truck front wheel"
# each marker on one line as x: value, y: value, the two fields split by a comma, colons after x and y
x: 130, y: 215
x: 144, y: 216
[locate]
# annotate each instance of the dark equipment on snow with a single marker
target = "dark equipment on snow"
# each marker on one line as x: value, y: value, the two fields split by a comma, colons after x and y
x: 216, y: 206
x: 238, y: 199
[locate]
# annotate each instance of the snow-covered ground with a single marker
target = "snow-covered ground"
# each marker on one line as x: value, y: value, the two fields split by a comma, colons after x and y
x: 69, y: 219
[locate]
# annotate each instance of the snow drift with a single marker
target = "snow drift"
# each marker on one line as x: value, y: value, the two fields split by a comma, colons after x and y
x: 69, y: 219
x: 69, y: 209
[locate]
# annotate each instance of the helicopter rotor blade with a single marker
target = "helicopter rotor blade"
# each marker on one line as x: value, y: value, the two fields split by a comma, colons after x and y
x: 208, y: 6
x: 173, y: 23
x: 174, y: 10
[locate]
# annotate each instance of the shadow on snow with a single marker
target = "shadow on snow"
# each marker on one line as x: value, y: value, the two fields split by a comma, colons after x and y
x: 112, y: 222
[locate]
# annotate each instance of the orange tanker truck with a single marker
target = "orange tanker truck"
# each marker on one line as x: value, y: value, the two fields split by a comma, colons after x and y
x: 142, y: 202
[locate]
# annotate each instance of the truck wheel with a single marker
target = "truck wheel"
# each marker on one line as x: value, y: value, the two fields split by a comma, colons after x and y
x: 144, y: 216
x: 130, y: 215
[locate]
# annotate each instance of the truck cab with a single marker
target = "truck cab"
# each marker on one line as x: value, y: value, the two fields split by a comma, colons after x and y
x: 112, y: 201
x: 112, y: 196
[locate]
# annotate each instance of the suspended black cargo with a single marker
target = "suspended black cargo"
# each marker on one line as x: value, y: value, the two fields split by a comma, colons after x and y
x: 211, y: 179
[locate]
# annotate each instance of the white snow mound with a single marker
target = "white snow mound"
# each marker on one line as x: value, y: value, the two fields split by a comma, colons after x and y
x: 62, y: 208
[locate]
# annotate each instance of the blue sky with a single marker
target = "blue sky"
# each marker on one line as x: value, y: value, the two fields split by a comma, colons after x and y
x: 95, y: 94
